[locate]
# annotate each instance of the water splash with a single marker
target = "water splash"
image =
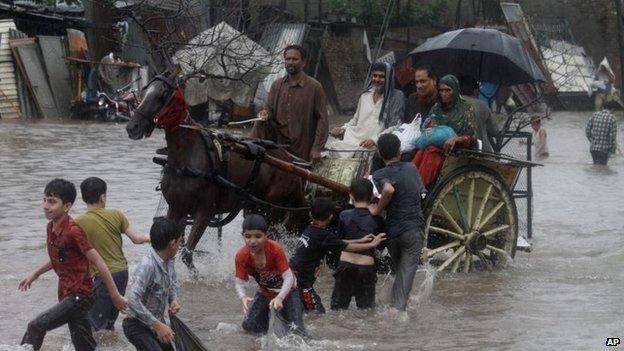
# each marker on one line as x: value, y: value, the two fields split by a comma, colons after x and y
x: 227, y: 328
x: 282, y: 335
x: 426, y: 286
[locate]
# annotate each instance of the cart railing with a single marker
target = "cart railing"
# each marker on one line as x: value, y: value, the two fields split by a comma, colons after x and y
x: 519, y: 146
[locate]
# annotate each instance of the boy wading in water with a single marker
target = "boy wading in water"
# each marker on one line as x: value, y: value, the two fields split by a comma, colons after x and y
x: 70, y: 253
x: 401, y: 190
x: 154, y: 290
x: 266, y: 262
x: 104, y: 228
x: 356, y: 275
x: 313, y: 246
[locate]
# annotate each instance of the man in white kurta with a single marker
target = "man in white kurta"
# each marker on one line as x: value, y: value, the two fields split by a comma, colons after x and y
x: 379, y: 110
x: 364, y: 126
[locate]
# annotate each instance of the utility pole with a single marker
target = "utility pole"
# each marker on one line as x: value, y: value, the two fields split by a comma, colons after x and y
x: 618, y: 10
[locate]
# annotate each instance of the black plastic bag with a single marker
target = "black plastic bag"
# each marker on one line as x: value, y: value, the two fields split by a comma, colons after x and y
x: 185, y: 339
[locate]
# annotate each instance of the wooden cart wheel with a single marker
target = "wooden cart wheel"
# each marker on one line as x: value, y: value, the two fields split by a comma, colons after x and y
x: 470, y: 221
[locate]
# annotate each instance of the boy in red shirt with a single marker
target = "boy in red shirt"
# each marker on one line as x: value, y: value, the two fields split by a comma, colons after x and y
x: 70, y: 253
x: 266, y: 262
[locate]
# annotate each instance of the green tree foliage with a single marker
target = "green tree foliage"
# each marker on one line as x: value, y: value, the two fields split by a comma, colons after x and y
x: 404, y: 13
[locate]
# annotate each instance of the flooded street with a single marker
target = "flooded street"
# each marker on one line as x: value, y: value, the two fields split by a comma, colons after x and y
x: 566, y: 294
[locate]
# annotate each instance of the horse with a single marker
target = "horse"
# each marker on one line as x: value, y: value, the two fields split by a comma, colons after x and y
x: 188, y: 181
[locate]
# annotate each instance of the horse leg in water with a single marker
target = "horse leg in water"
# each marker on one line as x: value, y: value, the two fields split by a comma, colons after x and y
x: 177, y: 217
x: 200, y: 222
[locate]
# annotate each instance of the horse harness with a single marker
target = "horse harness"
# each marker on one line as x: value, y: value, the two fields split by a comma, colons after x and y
x: 218, y: 142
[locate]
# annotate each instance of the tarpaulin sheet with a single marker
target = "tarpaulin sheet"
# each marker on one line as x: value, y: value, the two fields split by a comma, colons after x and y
x: 223, y: 64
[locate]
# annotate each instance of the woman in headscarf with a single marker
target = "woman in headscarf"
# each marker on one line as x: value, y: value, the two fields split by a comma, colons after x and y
x: 380, y: 108
x: 453, y: 111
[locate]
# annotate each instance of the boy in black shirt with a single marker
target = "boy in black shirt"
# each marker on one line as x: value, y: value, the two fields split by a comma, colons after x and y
x: 356, y: 274
x: 314, y: 243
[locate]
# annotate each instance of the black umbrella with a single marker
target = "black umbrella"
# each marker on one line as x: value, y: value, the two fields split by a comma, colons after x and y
x: 486, y: 54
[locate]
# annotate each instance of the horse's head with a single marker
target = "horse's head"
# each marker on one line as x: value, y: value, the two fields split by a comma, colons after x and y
x: 155, y: 95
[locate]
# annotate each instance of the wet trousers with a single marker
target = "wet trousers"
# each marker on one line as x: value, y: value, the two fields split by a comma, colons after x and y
x: 142, y: 337
x: 310, y: 300
x: 289, y: 318
x: 600, y: 157
x: 405, y: 251
x: 103, y: 314
x: 72, y: 310
x: 354, y: 280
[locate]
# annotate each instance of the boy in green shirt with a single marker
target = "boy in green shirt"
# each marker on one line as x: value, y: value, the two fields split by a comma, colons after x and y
x: 104, y: 228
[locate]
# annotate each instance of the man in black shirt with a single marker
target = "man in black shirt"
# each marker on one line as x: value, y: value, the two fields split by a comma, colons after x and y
x: 425, y: 96
x: 314, y: 243
x: 401, y: 193
x: 356, y: 275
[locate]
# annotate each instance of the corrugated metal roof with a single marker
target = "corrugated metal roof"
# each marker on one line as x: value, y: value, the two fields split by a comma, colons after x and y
x: 275, y: 38
x: 8, y: 88
x: 570, y: 67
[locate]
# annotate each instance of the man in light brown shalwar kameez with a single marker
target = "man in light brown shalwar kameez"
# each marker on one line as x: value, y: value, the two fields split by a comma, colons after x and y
x: 295, y: 113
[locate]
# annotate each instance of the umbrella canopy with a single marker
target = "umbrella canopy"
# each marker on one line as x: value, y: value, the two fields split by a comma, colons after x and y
x: 486, y: 54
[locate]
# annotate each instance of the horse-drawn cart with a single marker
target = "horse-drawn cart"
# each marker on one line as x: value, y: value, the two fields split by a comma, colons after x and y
x: 471, y: 219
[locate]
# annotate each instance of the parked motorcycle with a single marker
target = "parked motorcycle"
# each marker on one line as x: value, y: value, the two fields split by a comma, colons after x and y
x: 117, y: 108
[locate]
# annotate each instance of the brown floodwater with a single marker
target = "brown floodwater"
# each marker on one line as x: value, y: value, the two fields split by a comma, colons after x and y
x: 565, y: 295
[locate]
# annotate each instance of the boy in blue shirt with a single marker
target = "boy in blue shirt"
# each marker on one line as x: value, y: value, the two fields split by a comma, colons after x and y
x: 356, y: 275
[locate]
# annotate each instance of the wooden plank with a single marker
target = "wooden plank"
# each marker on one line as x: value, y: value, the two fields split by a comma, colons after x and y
x: 34, y: 71
x: 53, y: 52
x: 20, y: 66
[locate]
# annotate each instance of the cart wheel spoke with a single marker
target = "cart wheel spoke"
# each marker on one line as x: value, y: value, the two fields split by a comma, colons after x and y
x: 482, y: 206
x: 491, y: 215
x: 496, y: 230
x: 486, y: 262
x: 431, y: 253
x: 457, y: 262
x: 448, y: 216
x: 496, y: 249
x: 460, y: 209
x: 470, y: 202
x: 468, y: 263
x: 452, y: 258
x: 446, y: 232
